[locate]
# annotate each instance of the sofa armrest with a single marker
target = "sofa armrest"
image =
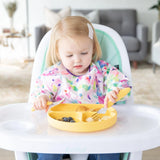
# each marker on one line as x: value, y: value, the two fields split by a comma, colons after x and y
x: 142, y: 35
x: 40, y: 31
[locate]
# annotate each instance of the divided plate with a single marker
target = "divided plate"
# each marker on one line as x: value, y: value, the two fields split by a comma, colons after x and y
x: 56, y: 113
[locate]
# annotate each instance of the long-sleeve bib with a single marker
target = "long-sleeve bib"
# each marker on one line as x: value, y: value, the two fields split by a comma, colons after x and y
x: 58, y: 83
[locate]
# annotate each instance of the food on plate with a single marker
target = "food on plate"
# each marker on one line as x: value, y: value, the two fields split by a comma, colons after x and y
x: 67, y: 119
x: 89, y: 119
x: 82, y: 109
x: 95, y: 109
x: 105, y: 117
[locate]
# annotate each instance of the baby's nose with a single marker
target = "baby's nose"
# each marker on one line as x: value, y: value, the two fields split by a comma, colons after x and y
x: 77, y: 59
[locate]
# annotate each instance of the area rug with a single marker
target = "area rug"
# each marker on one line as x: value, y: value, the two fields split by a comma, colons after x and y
x: 146, y: 85
x: 15, y: 83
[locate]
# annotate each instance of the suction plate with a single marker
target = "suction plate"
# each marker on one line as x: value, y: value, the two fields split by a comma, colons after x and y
x: 80, y: 113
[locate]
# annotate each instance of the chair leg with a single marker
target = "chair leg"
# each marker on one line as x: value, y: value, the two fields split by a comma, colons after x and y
x: 79, y: 156
x: 135, y: 64
x: 135, y: 156
x: 154, y: 68
x: 21, y: 156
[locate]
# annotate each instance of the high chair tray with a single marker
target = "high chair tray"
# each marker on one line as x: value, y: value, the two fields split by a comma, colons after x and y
x: 77, y: 117
x: 137, y: 129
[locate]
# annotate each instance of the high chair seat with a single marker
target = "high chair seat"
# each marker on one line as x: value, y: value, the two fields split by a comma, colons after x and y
x: 113, y: 48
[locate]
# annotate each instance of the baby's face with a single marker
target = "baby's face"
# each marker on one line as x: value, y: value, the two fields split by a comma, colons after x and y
x: 76, y: 53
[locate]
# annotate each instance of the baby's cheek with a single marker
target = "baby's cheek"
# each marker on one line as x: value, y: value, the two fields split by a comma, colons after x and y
x: 67, y: 63
x: 68, y: 66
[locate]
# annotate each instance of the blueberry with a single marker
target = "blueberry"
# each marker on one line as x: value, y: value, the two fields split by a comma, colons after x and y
x: 72, y: 121
x: 70, y: 118
x: 65, y: 119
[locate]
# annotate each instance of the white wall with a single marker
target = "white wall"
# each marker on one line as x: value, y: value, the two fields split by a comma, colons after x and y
x: 36, y: 8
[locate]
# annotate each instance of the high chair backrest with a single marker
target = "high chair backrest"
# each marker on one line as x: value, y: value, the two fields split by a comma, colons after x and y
x: 113, y: 52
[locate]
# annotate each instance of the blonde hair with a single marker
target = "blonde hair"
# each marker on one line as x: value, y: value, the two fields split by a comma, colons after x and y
x: 69, y: 27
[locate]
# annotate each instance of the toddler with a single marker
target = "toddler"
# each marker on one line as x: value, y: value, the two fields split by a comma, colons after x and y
x: 76, y: 73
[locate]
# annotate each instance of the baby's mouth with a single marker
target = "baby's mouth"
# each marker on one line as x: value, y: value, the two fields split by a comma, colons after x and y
x: 78, y: 66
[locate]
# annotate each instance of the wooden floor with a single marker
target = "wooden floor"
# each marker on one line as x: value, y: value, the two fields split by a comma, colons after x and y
x: 6, y: 155
x: 153, y: 154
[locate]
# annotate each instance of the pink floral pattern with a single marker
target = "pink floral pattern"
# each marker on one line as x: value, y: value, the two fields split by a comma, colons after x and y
x: 58, y: 83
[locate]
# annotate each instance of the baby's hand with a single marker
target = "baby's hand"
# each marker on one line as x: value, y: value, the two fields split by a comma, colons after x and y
x: 111, y: 96
x: 41, y: 103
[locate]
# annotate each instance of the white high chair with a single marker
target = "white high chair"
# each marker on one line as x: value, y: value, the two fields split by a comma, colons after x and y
x: 115, y: 53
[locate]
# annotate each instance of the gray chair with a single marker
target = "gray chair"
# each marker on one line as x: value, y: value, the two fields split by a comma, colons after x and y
x: 124, y: 21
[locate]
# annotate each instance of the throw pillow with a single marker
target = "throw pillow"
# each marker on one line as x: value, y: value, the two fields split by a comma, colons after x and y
x: 51, y: 17
x: 92, y: 16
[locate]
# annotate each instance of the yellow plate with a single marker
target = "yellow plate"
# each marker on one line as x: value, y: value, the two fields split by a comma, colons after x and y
x: 80, y: 114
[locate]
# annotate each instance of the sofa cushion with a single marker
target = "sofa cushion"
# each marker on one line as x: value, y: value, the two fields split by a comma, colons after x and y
x: 92, y: 16
x: 51, y: 17
x: 124, y: 21
x: 132, y: 44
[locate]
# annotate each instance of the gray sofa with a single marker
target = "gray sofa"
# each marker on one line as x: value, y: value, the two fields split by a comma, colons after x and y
x: 124, y: 21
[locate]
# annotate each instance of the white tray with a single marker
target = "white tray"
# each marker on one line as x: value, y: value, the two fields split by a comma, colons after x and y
x: 137, y: 129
